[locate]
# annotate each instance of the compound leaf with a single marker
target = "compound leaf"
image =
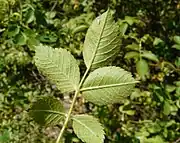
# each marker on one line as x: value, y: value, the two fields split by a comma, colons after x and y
x: 88, y: 129
x: 47, y: 111
x: 108, y: 85
x: 59, y: 66
x: 102, y: 41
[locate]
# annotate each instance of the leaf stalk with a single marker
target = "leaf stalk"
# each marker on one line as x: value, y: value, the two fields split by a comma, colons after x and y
x: 72, y: 105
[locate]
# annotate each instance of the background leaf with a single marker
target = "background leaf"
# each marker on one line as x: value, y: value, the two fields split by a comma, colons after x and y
x: 133, y: 46
x: 102, y: 42
x: 176, y: 46
x: 150, y: 56
x: 29, y: 17
x: 59, y: 66
x: 123, y: 28
x: 47, y: 111
x: 113, y: 78
x: 177, y: 39
x: 20, y: 39
x: 88, y: 129
x: 13, y: 30
x: 130, y: 55
x: 5, y: 136
x: 142, y: 68
x: 167, y: 108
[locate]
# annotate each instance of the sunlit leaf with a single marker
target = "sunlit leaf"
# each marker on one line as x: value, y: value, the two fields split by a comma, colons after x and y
x: 29, y: 16
x: 108, y: 85
x: 88, y: 129
x: 102, y: 42
x: 133, y: 46
x: 130, y: 112
x: 177, y: 39
x: 20, y: 39
x: 130, y: 20
x: 166, y: 108
x: 59, y: 66
x: 123, y: 28
x: 142, y: 68
x: 176, y: 46
x: 157, y: 41
x: 130, y: 55
x: 150, y: 56
x: 79, y: 29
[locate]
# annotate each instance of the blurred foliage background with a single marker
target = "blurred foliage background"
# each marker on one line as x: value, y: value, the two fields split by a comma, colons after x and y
x: 150, y: 51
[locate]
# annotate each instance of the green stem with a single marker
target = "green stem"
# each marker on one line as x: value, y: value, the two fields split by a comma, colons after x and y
x: 53, y: 7
x: 67, y: 117
x: 20, y: 7
x: 72, y: 105
x: 140, y: 47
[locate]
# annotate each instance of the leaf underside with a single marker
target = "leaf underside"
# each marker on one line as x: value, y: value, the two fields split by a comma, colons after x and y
x: 114, y: 85
x: 88, y: 129
x: 47, y: 111
x: 102, y: 42
x: 59, y: 66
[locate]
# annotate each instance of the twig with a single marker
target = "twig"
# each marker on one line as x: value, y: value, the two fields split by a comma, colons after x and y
x: 53, y: 7
x: 177, y: 141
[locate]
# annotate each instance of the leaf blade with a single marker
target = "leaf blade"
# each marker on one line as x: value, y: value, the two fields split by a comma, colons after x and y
x: 131, y: 54
x: 150, y: 56
x: 101, y: 42
x: 47, y: 111
x: 88, y: 129
x: 114, y: 79
x: 59, y: 66
x: 176, y: 39
x: 142, y: 68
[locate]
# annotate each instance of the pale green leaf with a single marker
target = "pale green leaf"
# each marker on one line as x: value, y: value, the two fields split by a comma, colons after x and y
x: 133, y: 46
x: 166, y: 108
x: 80, y: 28
x: 88, y: 129
x: 177, y: 39
x: 130, y: 20
x: 150, y: 56
x: 132, y: 54
x: 170, y: 88
x: 29, y: 16
x: 130, y: 112
x: 102, y: 42
x: 108, y: 85
x: 20, y: 39
x: 177, y: 62
x: 156, y: 139
x: 123, y: 28
x: 142, y: 68
x: 59, y: 66
x: 176, y: 46
x: 157, y: 41
x: 47, y: 111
